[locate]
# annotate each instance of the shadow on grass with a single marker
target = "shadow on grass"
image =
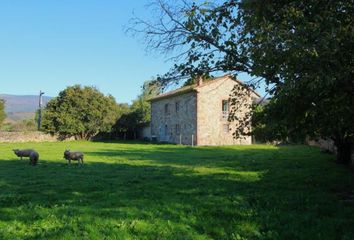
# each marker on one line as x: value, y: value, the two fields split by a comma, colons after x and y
x: 249, y: 159
x: 113, y: 193
x: 173, y: 193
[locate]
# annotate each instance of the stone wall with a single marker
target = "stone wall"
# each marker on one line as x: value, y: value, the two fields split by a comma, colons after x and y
x: 26, y: 137
x: 178, y: 125
x: 326, y: 144
x: 198, y: 119
x: 213, y: 125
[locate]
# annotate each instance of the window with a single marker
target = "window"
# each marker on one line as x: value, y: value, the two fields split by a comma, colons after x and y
x: 225, y: 109
x: 178, y: 129
x: 226, y: 128
x: 166, y: 130
x: 186, y: 106
x: 167, y: 110
x: 177, y: 107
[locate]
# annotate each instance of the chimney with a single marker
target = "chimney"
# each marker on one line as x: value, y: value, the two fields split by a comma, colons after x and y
x: 199, y: 80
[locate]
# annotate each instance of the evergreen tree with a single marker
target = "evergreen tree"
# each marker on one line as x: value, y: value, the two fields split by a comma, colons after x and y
x: 78, y: 111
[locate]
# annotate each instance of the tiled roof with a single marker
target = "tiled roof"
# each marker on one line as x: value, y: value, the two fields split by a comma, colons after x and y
x: 194, y: 87
x: 174, y: 92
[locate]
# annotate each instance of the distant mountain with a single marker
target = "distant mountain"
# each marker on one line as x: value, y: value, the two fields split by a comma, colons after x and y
x: 19, y: 107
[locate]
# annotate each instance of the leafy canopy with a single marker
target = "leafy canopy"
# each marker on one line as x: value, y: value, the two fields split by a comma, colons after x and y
x: 302, y: 50
x: 305, y: 49
x: 139, y: 113
x: 81, y: 112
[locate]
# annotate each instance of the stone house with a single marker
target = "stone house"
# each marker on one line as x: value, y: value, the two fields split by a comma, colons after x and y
x: 196, y: 114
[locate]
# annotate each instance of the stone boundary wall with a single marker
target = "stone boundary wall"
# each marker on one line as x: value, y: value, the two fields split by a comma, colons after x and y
x: 26, y: 137
x: 327, y: 144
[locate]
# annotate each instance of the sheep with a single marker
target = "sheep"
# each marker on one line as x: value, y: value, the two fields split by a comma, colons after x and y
x: 23, y: 153
x: 77, y: 156
x: 34, y: 156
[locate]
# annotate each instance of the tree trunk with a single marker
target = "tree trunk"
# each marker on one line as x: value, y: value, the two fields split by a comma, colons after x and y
x: 344, y: 150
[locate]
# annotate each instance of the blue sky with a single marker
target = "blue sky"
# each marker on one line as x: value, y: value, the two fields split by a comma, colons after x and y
x: 52, y: 44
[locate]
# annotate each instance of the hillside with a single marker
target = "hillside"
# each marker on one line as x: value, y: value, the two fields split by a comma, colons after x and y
x: 19, y: 107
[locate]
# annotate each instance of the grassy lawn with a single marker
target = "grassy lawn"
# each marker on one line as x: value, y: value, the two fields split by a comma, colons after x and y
x: 137, y: 191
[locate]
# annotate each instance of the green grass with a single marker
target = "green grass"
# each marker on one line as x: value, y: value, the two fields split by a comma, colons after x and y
x: 138, y: 191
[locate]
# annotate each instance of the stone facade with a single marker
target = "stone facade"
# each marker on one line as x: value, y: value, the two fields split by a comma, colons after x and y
x: 196, y: 115
x: 174, y: 119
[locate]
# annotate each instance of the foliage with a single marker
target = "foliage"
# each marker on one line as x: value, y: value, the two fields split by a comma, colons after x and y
x: 241, y: 105
x: 139, y: 113
x: 24, y: 125
x: 193, y: 80
x: 81, y: 112
x: 313, y: 99
x: 145, y: 191
x: 36, y: 118
x: 127, y: 125
x: 265, y: 130
x: 20, y: 126
x: 207, y: 37
x: 123, y: 108
x: 2, y: 111
x: 303, y: 51
x: 141, y: 106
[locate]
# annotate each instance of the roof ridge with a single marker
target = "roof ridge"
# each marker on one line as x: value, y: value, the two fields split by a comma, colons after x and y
x: 173, y: 92
x: 195, y: 87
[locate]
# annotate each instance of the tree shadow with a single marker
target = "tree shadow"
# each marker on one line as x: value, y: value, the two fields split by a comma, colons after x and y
x: 111, y: 192
x: 250, y: 159
x: 176, y: 193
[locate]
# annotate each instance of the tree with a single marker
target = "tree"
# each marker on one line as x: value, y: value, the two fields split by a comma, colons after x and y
x: 2, y: 111
x: 302, y: 50
x: 78, y: 111
x: 206, y: 37
x: 140, y: 105
x: 123, y: 108
x: 316, y: 98
x: 193, y: 80
x: 127, y: 125
x: 139, y: 113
